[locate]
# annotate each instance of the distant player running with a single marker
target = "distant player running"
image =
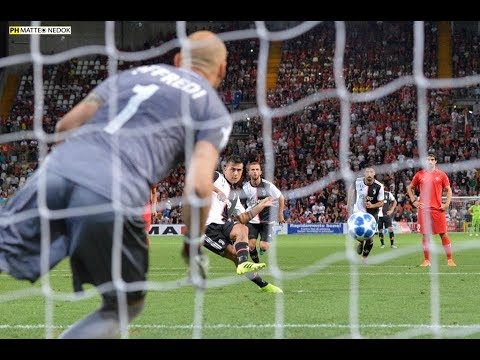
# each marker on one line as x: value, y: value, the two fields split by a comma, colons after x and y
x: 369, y: 195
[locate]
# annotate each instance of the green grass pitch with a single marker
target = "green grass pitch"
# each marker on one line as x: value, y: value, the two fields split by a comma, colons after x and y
x: 327, y: 294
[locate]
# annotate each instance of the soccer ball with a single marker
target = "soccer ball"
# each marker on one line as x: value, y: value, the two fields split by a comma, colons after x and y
x: 361, y: 225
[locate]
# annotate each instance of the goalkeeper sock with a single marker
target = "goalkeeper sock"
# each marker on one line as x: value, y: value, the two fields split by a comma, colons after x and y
x: 101, y: 324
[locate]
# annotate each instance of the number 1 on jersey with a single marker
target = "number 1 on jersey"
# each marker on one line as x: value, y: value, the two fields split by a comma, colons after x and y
x: 142, y: 93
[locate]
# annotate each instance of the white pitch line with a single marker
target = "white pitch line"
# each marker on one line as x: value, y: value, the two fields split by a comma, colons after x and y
x: 267, y: 326
x: 321, y: 273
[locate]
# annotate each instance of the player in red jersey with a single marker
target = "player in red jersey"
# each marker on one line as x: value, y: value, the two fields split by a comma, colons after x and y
x: 150, y: 210
x: 431, y: 211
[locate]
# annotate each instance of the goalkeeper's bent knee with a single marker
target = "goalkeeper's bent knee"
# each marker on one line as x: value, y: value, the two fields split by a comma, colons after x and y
x: 135, y: 304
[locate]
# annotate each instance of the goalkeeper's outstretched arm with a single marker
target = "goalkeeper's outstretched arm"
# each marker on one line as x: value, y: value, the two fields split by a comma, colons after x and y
x: 198, y: 195
x: 199, y: 187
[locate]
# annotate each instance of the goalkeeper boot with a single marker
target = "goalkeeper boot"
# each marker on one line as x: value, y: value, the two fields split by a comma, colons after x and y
x: 262, y: 251
x: 270, y: 288
x: 249, y: 266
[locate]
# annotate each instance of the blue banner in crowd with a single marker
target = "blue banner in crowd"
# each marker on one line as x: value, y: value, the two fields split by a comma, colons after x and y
x: 328, y: 228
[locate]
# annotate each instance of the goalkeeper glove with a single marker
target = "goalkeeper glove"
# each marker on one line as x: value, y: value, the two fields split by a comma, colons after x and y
x: 196, y: 260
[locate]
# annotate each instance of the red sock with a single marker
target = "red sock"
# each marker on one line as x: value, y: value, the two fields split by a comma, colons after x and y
x: 447, y: 246
x: 426, y: 247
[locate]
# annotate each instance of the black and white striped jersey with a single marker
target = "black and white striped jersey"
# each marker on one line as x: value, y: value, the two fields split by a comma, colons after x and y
x: 222, y: 211
x: 252, y: 195
x: 387, y: 202
x: 363, y: 193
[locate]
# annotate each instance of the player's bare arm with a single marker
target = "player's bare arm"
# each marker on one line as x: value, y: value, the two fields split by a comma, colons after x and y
x: 446, y: 204
x: 392, y: 207
x: 153, y: 200
x: 199, y: 186
x: 220, y: 194
x: 413, y: 198
x: 197, y: 194
x: 281, y: 207
x: 80, y: 113
x: 351, y: 198
x: 245, y: 217
x: 376, y: 205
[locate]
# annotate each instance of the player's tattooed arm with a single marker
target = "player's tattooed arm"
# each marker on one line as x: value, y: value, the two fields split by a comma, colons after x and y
x: 93, y: 98
x: 79, y: 114
x: 220, y: 194
x: 246, y: 216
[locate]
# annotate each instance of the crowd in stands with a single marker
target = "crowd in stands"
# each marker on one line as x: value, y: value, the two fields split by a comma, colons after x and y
x: 306, y: 143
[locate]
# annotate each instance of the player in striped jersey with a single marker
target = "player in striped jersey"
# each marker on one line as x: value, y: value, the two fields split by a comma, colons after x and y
x: 385, y: 219
x: 369, y: 195
x: 226, y: 233
x: 255, y: 190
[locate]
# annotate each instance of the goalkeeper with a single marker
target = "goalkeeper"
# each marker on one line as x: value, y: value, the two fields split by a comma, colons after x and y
x: 108, y: 166
x: 474, y: 210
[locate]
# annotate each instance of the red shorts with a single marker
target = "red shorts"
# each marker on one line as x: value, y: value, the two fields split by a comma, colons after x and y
x: 432, y: 221
x: 147, y: 216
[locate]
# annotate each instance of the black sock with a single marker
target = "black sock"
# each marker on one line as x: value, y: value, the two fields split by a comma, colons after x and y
x: 367, y: 247
x: 360, y: 247
x: 242, y: 251
x: 254, y: 254
x: 253, y: 276
x: 392, y: 238
x: 380, y: 235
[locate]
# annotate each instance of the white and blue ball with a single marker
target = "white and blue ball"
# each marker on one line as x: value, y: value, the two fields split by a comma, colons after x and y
x: 361, y: 225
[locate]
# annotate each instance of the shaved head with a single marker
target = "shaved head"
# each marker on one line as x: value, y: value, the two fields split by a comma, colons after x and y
x: 206, y: 48
x: 205, y: 53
